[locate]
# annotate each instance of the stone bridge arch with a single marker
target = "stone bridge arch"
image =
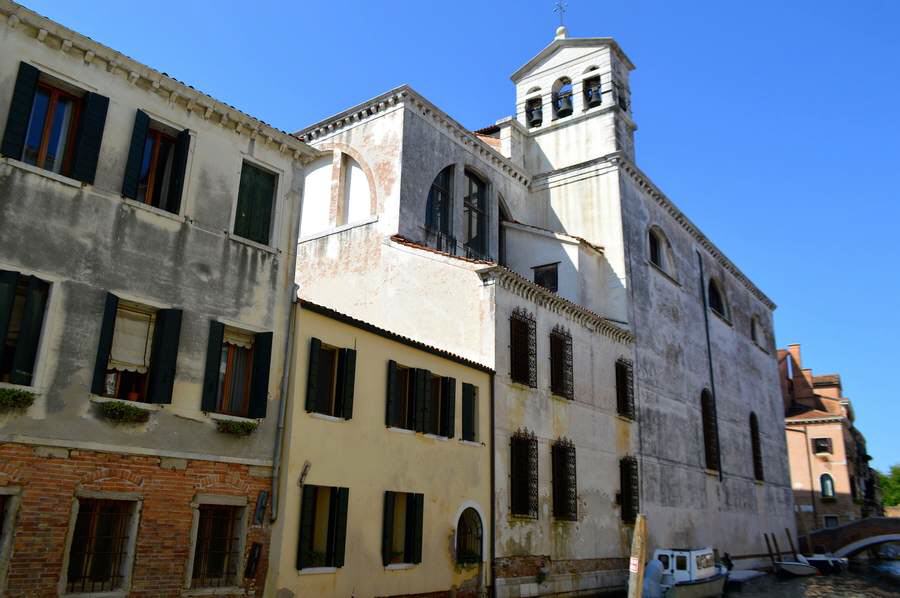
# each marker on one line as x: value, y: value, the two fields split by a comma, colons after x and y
x: 850, y: 538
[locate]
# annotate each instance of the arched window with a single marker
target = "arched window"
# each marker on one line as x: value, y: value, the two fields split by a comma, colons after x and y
x: 660, y: 251
x: 437, y: 208
x: 590, y: 85
x: 827, y: 483
x: 710, y: 431
x: 356, y: 202
x: 468, y: 537
x: 475, y: 216
x: 757, y: 448
x: 315, y: 214
x: 534, y: 110
x: 756, y: 332
x: 717, y: 299
x: 562, y: 98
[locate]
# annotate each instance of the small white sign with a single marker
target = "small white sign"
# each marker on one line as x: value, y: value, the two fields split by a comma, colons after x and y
x: 633, y: 565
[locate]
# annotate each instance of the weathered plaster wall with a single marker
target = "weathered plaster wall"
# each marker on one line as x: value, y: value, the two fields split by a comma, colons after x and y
x: 363, y: 455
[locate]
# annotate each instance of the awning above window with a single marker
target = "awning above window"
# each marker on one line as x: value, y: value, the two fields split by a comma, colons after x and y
x: 132, y: 340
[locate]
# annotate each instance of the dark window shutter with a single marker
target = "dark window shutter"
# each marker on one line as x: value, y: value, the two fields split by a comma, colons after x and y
x: 422, y: 398
x: 557, y: 385
x: 104, y: 345
x: 340, y: 525
x: 307, y: 525
x: 30, y: 331
x: 179, y: 170
x: 468, y: 412
x: 256, y: 196
x: 448, y: 404
x: 625, y: 388
x: 135, y: 154
x: 213, y: 359
x: 392, y: 404
x: 517, y: 477
x: 532, y: 353
x: 387, y: 529
x: 757, y: 450
x: 312, y: 375
x: 8, y: 282
x: 524, y: 473
x: 348, y: 381
x: 259, y: 381
x: 568, y: 368
x: 532, y: 448
x: 90, y: 135
x: 418, y: 500
x: 164, y: 355
x: 630, y: 489
x: 557, y: 466
x: 19, y: 111
x: 710, y: 434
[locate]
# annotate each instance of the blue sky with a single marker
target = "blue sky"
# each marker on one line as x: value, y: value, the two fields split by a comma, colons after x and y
x: 774, y: 125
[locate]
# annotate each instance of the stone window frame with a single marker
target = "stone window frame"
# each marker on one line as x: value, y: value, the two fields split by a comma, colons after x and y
x: 13, y: 495
x: 666, y: 265
x: 227, y: 500
x: 725, y: 314
x: 279, y: 203
x: 137, y: 500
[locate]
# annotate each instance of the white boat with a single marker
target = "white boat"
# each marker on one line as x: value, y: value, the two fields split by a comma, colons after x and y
x: 799, y: 568
x: 689, y: 573
x: 827, y: 563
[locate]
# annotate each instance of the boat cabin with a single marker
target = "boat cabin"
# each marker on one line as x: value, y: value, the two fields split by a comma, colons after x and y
x: 687, y: 564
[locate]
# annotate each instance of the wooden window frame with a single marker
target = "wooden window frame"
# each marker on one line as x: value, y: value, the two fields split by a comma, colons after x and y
x: 157, y: 137
x: 224, y: 397
x: 56, y: 94
x: 625, y: 388
x: 126, y: 529
x: 476, y: 205
x: 709, y: 430
x: 233, y: 557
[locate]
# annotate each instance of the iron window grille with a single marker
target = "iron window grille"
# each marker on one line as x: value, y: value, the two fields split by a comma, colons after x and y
x: 565, y: 486
x: 625, y: 388
x: 437, y: 214
x: 756, y: 448
x: 99, y: 549
x: 469, y: 537
x: 524, y: 474
x: 630, y: 489
x: 710, y: 433
x: 562, y: 381
x: 523, y: 348
x: 216, y: 553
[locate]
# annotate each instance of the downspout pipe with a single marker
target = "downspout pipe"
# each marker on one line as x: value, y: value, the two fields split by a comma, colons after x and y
x: 283, y: 398
x: 709, y: 359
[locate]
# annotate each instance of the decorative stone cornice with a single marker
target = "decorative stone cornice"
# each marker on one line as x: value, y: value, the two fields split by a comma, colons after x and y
x: 67, y: 41
x: 510, y: 281
x: 407, y: 95
x: 644, y: 182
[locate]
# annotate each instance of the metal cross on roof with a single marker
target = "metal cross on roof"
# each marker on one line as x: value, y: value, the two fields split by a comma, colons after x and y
x: 561, y: 9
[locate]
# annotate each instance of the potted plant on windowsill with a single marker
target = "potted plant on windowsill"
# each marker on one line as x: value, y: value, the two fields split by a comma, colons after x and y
x: 236, y: 428
x: 15, y: 399
x: 123, y: 412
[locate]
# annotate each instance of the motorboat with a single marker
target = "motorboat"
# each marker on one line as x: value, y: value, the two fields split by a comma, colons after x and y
x: 800, y: 567
x: 687, y: 573
x: 827, y: 563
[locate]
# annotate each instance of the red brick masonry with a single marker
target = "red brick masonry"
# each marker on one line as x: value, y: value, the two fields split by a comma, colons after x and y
x: 49, y: 479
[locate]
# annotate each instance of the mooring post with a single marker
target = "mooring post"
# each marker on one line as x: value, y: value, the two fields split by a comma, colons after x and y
x: 791, y: 542
x: 638, y: 556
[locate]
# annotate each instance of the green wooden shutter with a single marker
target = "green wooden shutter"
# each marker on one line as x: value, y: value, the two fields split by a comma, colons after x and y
x: 256, y: 196
x: 387, y: 528
x: 348, y: 381
x: 448, y: 404
x: 259, y: 380
x: 104, y: 345
x: 179, y: 170
x: 210, y: 399
x: 392, y: 404
x: 312, y: 375
x: 307, y: 526
x: 164, y: 355
x: 19, y: 111
x: 423, y: 400
x: 135, y: 154
x: 30, y: 331
x: 468, y: 412
x: 417, y: 519
x: 89, y: 137
x: 340, y: 526
x: 8, y: 282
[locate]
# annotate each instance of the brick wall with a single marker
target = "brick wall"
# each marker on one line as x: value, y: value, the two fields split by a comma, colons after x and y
x: 49, y: 479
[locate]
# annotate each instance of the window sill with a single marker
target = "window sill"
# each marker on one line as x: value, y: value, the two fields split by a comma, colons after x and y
x: 400, y: 430
x: 759, y: 482
x: 317, y: 570
x: 665, y: 274
x: 53, y: 177
x: 761, y: 348
x: 711, y: 472
x: 250, y: 243
x: 721, y: 317
x: 132, y: 203
x: 326, y: 417
x: 523, y: 385
x: 399, y: 566
x: 223, y: 591
x: 624, y: 418
x: 436, y: 437
x: 110, y: 594
x: 514, y: 518
x: 98, y: 400
x: 222, y: 417
x: 471, y: 442
x: 823, y: 455
x: 32, y: 389
x: 562, y: 398
x: 338, y: 229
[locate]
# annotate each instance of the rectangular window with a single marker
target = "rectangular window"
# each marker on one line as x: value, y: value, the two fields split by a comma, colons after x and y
x: 561, y: 375
x: 524, y: 475
x: 523, y: 350
x: 157, y: 161
x: 236, y: 378
x: 629, y: 492
x: 402, y: 528
x: 23, y: 301
x: 475, y: 216
x: 565, y: 487
x: 832, y: 521
x: 50, y: 140
x: 625, y: 388
x: 235, y: 367
x: 421, y: 401
x: 440, y: 412
x: 323, y: 527
x: 469, y: 412
x: 217, y: 549
x: 822, y: 446
x: 330, y: 382
x: 255, y: 205
x: 101, y: 546
x: 547, y: 276
x: 401, y: 400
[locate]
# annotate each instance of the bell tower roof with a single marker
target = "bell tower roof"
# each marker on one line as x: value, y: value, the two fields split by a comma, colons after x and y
x: 561, y: 41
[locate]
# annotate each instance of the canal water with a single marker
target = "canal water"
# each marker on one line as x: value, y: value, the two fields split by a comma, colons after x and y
x: 875, y: 579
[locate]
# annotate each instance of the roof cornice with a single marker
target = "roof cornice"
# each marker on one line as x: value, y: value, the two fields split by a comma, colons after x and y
x: 576, y: 42
x: 52, y: 34
x: 815, y: 420
x: 407, y: 95
x: 549, y: 300
x: 643, y: 181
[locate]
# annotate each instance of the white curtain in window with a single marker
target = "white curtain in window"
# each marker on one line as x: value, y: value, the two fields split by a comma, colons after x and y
x: 132, y: 340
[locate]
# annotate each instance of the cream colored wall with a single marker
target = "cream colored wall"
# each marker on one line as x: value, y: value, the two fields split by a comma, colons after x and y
x: 363, y: 455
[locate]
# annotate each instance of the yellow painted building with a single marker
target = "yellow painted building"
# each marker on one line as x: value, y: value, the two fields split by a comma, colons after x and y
x: 385, y: 485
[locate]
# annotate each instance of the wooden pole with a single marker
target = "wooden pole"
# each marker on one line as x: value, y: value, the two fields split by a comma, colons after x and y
x: 638, y: 556
x: 777, y: 549
x: 791, y: 542
x: 769, y: 549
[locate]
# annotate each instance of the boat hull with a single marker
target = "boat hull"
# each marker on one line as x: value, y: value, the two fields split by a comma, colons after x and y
x: 711, y: 587
x: 796, y: 569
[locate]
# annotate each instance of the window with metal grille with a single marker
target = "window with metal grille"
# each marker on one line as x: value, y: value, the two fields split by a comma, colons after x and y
x: 523, y: 486
x: 757, y: 448
x: 625, y: 388
x: 629, y: 493
x: 565, y: 486
x: 469, y: 537
x: 822, y: 446
x: 710, y: 431
x: 547, y: 276
x: 561, y: 377
x: 217, y: 550
x: 100, y: 546
x: 523, y: 348
x: 438, y: 205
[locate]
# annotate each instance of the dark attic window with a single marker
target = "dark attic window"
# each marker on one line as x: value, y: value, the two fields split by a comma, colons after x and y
x: 547, y: 276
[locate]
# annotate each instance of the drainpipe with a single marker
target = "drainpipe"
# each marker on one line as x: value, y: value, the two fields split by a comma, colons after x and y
x: 712, y: 380
x: 283, y: 398
x: 493, y: 572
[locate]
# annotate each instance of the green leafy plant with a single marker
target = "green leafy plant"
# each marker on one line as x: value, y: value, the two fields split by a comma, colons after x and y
x: 237, y: 428
x: 890, y: 486
x: 14, y: 399
x: 123, y: 412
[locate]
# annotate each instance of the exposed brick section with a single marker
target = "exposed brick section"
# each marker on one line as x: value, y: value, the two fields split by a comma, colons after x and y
x: 49, y: 485
x: 520, y: 566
